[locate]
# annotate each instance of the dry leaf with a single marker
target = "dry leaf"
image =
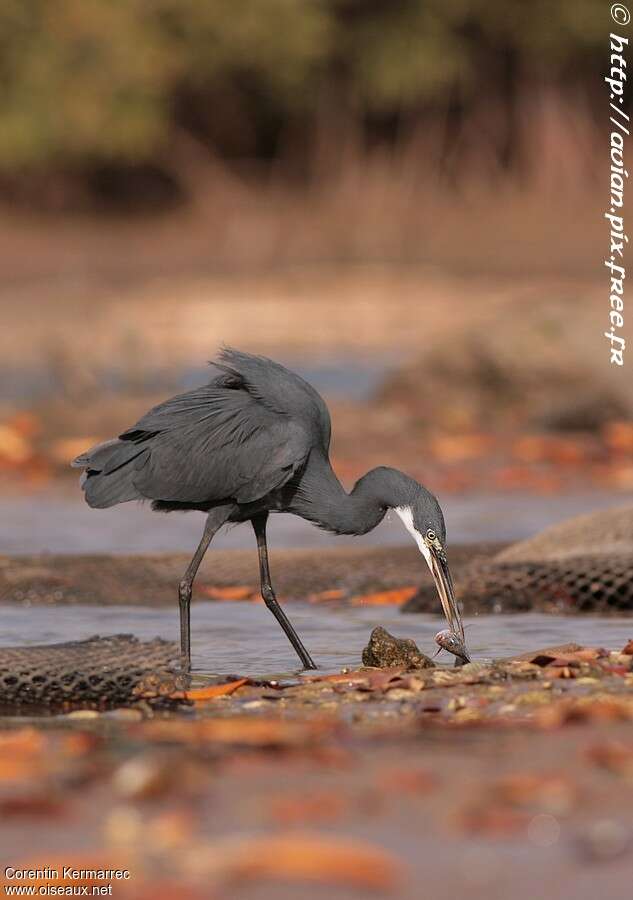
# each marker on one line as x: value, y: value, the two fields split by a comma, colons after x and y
x: 235, y: 592
x: 628, y: 649
x: 492, y: 820
x: 14, y: 448
x: 585, y: 709
x: 385, y: 598
x: 326, y: 596
x: 619, y: 436
x: 199, y: 695
x: 553, y: 793
x: 614, y: 756
x: 456, y: 448
x: 315, y: 858
x: 252, y: 731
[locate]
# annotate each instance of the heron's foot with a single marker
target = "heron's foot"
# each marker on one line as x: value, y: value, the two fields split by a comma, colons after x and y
x: 306, y: 660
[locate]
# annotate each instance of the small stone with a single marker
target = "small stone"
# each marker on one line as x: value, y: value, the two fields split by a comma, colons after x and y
x: 83, y: 714
x: 385, y: 651
x: 604, y: 840
x: 141, y: 777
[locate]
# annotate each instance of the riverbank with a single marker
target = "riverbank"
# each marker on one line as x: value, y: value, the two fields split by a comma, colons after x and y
x: 377, y: 781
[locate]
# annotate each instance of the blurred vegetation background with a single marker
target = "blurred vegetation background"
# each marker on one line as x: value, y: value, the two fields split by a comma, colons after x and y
x: 403, y: 199
x: 125, y: 103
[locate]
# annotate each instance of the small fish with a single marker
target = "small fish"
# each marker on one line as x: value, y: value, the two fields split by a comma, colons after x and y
x: 448, y: 640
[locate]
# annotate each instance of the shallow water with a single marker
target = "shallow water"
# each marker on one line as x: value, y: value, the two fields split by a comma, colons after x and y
x: 243, y: 638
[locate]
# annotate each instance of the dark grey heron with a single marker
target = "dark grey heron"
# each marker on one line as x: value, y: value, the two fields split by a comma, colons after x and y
x: 255, y: 440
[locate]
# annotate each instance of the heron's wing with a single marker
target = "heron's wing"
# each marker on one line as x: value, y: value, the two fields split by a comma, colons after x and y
x: 215, y: 443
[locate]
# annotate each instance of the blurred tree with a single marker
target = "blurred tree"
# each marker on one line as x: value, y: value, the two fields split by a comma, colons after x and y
x: 92, y: 83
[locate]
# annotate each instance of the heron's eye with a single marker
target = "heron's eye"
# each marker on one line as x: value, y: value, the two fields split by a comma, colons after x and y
x: 430, y: 534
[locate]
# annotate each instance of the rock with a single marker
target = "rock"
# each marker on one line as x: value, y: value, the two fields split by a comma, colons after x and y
x: 384, y: 651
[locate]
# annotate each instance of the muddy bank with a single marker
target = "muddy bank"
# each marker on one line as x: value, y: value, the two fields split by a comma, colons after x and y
x: 387, y: 576
x: 153, y: 579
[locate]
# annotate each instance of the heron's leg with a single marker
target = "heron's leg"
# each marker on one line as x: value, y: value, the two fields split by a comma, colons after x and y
x: 215, y: 519
x: 259, y: 525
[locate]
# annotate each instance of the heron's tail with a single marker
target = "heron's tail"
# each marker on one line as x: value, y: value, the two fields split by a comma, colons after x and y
x: 108, y: 472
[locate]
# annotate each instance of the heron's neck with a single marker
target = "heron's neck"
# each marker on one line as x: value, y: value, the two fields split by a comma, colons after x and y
x: 321, y: 498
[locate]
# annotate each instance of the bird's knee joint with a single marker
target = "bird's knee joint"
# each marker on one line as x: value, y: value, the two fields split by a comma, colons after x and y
x: 268, y: 596
x: 184, y: 592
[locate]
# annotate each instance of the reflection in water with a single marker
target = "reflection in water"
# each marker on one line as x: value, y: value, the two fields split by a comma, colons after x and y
x: 243, y: 638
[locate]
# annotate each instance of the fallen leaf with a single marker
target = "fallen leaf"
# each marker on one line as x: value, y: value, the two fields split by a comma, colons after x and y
x: 628, y: 649
x: 327, y: 596
x: 199, y: 695
x: 455, y: 448
x: 314, y: 858
x: 15, y: 449
x: 25, y: 423
x: 585, y: 709
x: 385, y: 598
x: 572, y: 658
x: 236, y: 592
x: 613, y: 756
x: 22, y: 754
x: 255, y: 731
x: 549, y: 792
x: 492, y: 820
x: 618, y: 436
x: 31, y: 805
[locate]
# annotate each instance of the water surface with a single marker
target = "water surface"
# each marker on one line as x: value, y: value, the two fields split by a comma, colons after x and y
x: 244, y: 638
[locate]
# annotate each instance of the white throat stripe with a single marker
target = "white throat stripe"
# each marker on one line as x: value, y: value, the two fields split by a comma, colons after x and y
x: 406, y: 515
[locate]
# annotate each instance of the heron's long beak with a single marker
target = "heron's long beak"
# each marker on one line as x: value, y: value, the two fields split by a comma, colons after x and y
x: 444, y: 584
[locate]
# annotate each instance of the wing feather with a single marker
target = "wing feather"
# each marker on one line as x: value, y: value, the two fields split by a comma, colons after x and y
x: 215, y: 443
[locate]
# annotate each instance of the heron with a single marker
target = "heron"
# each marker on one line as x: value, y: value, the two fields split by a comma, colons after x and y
x: 252, y: 441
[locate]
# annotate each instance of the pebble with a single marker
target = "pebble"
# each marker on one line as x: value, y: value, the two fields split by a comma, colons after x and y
x: 141, y: 776
x: 83, y: 714
x: 604, y: 840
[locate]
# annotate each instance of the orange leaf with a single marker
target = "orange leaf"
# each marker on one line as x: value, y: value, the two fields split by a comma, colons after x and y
x: 614, y: 756
x: 619, y: 436
x: 246, y: 732
x: 455, y: 448
x: 234, y: 592
x: 628, y: 649
x: 324, y: 596
x: 199, y: 695
x: 315, y: 858
x: 385, y: 598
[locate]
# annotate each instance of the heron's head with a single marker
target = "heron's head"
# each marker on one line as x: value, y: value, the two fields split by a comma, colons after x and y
x: 424, y: 521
